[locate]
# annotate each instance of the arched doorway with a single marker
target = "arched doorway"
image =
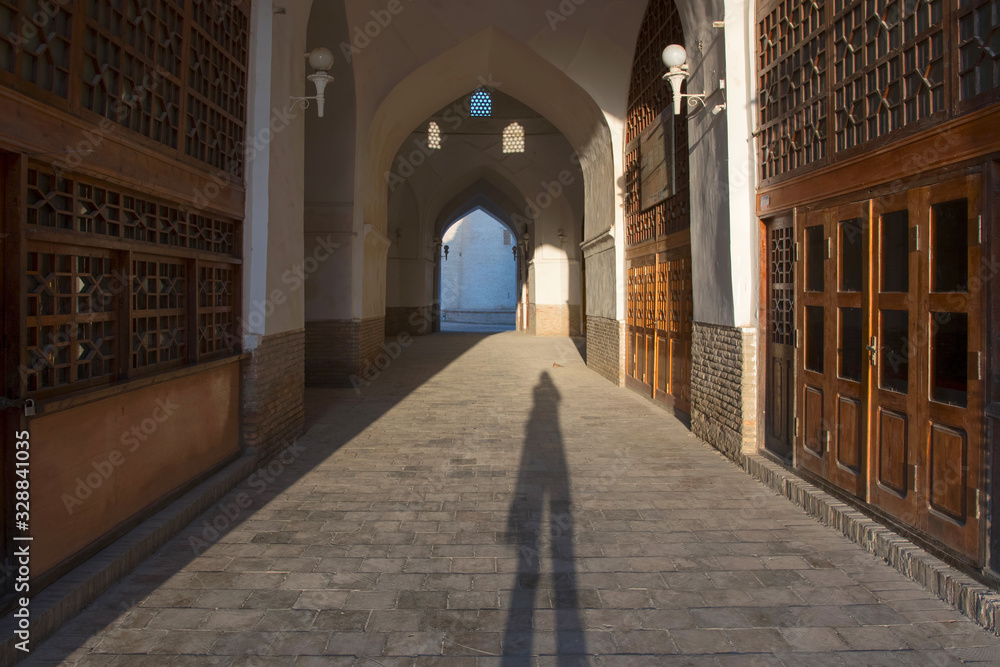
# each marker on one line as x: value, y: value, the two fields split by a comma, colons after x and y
x: 479, y: 279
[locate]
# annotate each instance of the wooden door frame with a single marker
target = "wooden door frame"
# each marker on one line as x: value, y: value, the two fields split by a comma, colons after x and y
x: 765, y: 348
x: 13, y: 180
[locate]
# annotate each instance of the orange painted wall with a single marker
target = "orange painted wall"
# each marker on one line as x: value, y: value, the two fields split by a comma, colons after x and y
x: 94, y: 466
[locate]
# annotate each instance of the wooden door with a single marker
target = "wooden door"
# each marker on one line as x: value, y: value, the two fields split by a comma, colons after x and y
x: 896, y: 426
x: 659, y: 320
x: 928, y: 437
x: 779, y: 410
x: 832, y: 322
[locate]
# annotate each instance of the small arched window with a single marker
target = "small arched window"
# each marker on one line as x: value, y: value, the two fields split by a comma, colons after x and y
x: 513, y: 138
x: 481, y: 103
x: 433, y: 135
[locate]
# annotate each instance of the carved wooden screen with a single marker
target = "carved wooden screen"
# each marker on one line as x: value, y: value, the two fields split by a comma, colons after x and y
x: 171, y: 70
x: 659, y: 288
x: 120, y: 283
x: 837, y: 76
x: 648, y: 96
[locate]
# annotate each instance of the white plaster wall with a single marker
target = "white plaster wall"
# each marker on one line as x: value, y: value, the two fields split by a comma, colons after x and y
x: 480, y: 272
x: 329, y: 173
x: 284, y: 308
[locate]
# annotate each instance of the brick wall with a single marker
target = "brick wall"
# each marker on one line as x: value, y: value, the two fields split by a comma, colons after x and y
x: 724, y: 387
x: 606, y: 348
x: 338, y: 349
x: 332, y: 350
x: 416, y: 321
x: 371, y: 337
x: 273, y: 392
x: 554, y: 320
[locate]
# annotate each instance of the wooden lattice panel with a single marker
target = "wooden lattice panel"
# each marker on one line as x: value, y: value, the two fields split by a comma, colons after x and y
x: 174, y: 71
x: 781, y: 319
x: 634, y: 296
x: 681, y: 311
x: 834, y: 76
x: 978, y: 47
x: 217, y: 89
x: 649, y: 95
x: 216, y: 310
x: 159, y: 312
x: 889, y: 66
x: 132, y: 65
x: 792, y: 79
x: 37, y: 55
x: 70, y: 326
x: 83, y: 204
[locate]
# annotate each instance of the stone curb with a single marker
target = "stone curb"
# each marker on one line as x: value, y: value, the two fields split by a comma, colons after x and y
x: 64, y: 599
x: 975, y: 600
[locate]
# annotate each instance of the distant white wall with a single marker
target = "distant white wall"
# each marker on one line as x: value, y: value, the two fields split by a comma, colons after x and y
x: 480, y: 272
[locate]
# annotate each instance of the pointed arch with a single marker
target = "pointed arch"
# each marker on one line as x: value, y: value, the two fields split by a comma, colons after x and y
x: 494, y: 58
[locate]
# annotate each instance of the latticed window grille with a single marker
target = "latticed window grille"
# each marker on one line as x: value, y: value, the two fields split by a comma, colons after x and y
x: 173, y: 71
x: 648, y: 96
x: 978, y: 47
x: 837, y: 75
x: 35, y: 42
x: 513, y: 138
x: 121, y: 283
x: 481, y: 103
x: 434, y: 135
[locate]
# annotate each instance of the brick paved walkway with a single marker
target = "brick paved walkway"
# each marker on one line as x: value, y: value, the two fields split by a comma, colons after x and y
x: 477, y: 505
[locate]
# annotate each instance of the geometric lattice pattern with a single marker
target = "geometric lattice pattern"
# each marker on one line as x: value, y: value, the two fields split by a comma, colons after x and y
x: 889, y: 64
x: 40, y: 56
x: 792, y: 71
x: 513, y: 138
x: 216, y: 93
x: 70, y: 325
x: 648, y: 96
x: 79, y: 295
x: 481, y: 104
x: 132, y: 65
x: 782, y: 285
x: 217, y: 333
x: 174, y: 71
x: 433, y: 135
x: 159, y: 312
x: 679, y: 286
x: 835, y: 75
x: 86, y: 205
x: 978, y: 47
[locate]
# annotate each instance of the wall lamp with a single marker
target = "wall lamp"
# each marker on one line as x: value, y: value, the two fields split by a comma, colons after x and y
x: 675, y: 58
x: 321, y: 60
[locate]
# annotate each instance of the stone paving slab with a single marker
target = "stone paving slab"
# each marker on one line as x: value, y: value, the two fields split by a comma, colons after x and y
x: 490, y: 501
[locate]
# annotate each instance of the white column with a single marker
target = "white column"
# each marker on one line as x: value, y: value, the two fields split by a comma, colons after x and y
x: 254, y: 287
x: 741, y: 165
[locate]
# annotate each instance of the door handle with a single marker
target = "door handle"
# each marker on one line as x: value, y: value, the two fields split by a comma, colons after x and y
x: 873, y: 351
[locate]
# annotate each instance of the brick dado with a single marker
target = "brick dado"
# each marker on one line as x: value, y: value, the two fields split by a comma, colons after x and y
x: 724, y: 387
x: 554, y: 319
x: 606, y: 348
x: 273, y: 392
x: 338, y: 349
x: 416, y: 321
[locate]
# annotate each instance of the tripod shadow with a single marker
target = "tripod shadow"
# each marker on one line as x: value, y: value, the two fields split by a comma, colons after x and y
x: 543, y: 476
